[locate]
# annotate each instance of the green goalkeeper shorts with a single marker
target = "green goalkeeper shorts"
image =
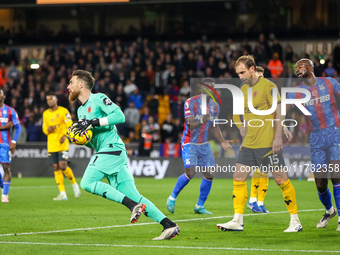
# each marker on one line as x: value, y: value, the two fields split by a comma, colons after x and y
x: 109, y: 163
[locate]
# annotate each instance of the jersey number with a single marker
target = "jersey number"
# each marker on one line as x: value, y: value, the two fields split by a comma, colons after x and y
x: 274, y: 159
x: 64, y: 154
x: 95, y: 160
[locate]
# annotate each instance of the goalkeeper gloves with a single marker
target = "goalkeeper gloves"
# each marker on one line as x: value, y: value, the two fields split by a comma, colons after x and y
x: 82, y: 125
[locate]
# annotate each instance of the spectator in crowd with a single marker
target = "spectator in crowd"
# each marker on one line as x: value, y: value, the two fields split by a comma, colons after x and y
x: 155, y: 68
x: 265, y: 46
x: 33, y: 128
x: 131, y: 138
x: 120, y: 98
x: 129, y: 88
x: 132, y: 115
x: 167, y: 130
x: 178, y: 130
x: 289, y: 54
x: 275, y: 66
x: 290, y: 77
x: 13, y: 72
x: 173, y: 97
x: 152, y: 105
x: 143, y: 84
x: 276, y: 47
x: 145, y: 143
x: 131, y: 152
x: 153, y: 128
x: 185, y: 90
x: 146, y: 114
x: 137, y: 98
x: 329, y: 70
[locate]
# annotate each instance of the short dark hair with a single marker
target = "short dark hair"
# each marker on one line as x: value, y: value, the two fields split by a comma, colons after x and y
x: 51, y: 93
x: 208, y: 80
x: 248, y: 61
x: 86, y: 77
x: 259, y: 69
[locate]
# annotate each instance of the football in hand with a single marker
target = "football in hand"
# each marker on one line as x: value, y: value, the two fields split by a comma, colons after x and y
x: 83, y: 139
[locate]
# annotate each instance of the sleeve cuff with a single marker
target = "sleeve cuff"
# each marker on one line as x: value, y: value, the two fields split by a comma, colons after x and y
x: 103, y: 121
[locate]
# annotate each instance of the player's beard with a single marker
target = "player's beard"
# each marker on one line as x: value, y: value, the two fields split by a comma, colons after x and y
x: 73, y: 96
x: 304, y: 75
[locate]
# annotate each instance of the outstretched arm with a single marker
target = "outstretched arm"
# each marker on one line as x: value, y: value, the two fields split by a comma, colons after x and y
x: 218, y: 135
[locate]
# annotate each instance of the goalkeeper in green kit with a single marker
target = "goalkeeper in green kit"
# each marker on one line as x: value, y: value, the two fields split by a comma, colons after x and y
x: 100, y: 114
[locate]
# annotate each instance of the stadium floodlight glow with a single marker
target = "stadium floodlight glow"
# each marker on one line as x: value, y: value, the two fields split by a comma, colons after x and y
x: 34, y: 66
x: 322, y: 61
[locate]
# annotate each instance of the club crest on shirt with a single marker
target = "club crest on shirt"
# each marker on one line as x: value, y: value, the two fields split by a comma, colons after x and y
x: 322, y: 87
x: 107, y: 101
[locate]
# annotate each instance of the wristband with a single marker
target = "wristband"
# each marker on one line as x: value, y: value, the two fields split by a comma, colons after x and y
x: 103, y: 121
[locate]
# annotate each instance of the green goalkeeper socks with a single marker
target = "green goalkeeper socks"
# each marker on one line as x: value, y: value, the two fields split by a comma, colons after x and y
x: 128, y: 188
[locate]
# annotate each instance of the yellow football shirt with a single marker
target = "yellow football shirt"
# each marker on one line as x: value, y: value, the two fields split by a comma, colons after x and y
x: 262, y: 130
x: 61, y: 119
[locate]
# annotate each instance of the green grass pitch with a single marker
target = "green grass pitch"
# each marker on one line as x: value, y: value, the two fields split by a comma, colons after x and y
x: 94, y: 225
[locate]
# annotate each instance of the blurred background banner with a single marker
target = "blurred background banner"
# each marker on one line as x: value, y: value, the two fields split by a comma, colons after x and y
x: 33, y: 158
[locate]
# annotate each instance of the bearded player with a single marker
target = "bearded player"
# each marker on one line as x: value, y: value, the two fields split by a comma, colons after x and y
x: 100, y: 114
x: 324, y: 136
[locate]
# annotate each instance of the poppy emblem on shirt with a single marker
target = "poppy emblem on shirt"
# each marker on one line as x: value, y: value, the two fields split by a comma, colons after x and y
x: 314, y: 93
x: 89, y: 110
x: 57, y: 115
x: 255, y: 93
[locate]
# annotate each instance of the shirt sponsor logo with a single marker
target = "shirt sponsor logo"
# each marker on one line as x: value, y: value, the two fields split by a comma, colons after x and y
x: 319, y: 100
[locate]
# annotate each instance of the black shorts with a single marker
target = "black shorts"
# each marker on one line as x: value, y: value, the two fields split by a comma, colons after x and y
x: 56, y: 157
x: 263, y: 158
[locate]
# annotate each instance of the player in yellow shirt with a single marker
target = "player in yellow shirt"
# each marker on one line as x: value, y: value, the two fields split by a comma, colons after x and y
x: 56, y: 121
x: 262, y: 146
x: 259, y: 181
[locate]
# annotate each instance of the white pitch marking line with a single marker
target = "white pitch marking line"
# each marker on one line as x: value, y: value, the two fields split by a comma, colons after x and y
x: 170, y: 247
x: 149, y: 223
x: 36, y: 187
